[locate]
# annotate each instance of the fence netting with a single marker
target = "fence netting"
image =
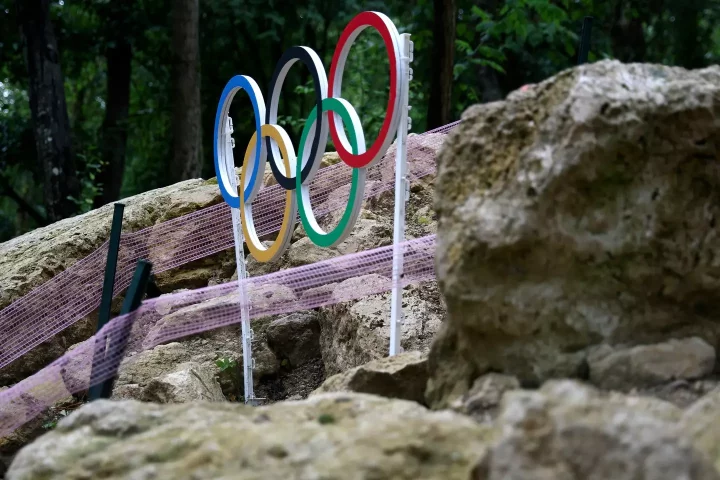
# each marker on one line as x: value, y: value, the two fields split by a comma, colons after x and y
x: 75, y: 293
x: 175, y: 316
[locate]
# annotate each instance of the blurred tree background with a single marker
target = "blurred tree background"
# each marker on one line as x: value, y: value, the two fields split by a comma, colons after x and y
x: 102, y: 99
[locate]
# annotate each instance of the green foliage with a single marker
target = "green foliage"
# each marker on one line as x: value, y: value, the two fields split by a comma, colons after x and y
x: 53, y: 421
x: 92, y: 163
x: 326, y: 419
x: 424, y: 220
x: 226, y: 363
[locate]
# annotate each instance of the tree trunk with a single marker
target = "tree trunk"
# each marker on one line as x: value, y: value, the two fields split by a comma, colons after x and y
x: 49, y: 109
x: 627, y: 34
x: 186, y: 123
x: 689, y: 51
x: 115, y: 125
x: 441, y: 81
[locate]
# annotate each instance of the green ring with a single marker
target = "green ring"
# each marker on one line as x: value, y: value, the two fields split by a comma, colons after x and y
x: 327, y: 239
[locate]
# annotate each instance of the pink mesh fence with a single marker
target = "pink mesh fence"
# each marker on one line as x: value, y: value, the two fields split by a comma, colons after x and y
x: 175, y: 316
x: 75, y: 293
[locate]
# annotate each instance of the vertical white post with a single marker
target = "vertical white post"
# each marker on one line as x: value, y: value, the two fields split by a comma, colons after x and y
x: 402, y: 195
x: 247, y: 333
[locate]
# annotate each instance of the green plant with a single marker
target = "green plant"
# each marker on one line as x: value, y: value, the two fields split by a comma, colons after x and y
x: 225, y: 363
x: 52, y: 423
x: 423, y: 220
x: 326, y: 419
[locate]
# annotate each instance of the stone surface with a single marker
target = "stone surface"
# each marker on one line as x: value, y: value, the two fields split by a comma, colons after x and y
x: 649, y: 365
x: 12, y: 443
x: 567, y: 431
x: 482, y: 401
x: 579, y: 212
x: 702, y: 423
x: 681, y: 393
x: 295, y: 337
x: 355, y: 333
x: 331, y: 436
x: 402, y: 376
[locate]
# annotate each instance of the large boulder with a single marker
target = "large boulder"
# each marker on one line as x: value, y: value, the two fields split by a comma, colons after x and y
x: 577, y: 213
x: 332, y: 436
x: 401, y: 376
x: 566, y: 431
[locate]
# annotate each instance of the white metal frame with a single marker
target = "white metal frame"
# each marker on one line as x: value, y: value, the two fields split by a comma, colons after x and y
x: 247, y: 333
x: 402, y: 195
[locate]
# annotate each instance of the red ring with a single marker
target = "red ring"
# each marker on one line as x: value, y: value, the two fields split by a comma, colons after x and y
x: 370, y: 19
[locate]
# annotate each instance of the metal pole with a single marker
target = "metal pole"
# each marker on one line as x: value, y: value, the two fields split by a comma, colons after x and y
x: 402, y: 195
x: 247, y: 333
x: 132, y: 302
x: 585, y: 36
x: 109, y: 280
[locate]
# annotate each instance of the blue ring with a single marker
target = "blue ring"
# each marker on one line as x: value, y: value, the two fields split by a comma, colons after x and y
x: 237, y: 82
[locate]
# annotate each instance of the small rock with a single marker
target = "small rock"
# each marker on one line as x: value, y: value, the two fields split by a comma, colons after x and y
x: 483, y: 400
x: 648, y: 365
x: 295, y: 337
x: 402, y: 376
x: 188, y: 382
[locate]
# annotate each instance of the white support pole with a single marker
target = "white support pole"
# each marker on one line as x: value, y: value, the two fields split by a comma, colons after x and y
x: 402, y: 195
x: 247, y: 333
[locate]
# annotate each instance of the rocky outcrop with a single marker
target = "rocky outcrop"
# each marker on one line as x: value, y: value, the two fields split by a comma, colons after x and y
x: 355, y: 333
x: 295, y: 338
x: 332, y: 436
x: 30, y: 260
x: 577, y: 213
x: 565, y: 431
x: 401, y: 376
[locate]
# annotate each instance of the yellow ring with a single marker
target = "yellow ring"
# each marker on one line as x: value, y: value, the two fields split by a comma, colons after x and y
x: 257, y: 249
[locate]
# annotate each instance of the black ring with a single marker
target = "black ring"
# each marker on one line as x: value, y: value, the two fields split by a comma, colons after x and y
x: 291, y: 54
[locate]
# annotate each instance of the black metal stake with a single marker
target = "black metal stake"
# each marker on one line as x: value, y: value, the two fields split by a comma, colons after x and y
x: 585, y: 36
x: 132, y: 301
x: 109, y: 280
x: 110, y: 266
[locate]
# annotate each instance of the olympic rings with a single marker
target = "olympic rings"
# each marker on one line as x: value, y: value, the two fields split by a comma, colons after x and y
x: 237, y: 83
x: 331, y: 114
x: 256, y: 247
x: 390, y: 37
x: 314, y: 65
x: 357, y: 140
